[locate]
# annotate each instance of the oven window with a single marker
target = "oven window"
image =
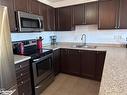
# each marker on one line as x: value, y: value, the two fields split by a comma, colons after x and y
x: 29, y: 23
x: 43, y: 66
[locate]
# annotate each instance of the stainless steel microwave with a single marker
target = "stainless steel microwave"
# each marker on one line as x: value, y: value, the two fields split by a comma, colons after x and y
x: 29, y: 22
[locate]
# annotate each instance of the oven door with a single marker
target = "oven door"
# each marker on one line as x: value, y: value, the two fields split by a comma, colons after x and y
x: 42, y: 68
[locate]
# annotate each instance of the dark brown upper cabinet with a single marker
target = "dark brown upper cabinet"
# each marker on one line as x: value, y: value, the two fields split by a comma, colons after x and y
x: 43, y: 12
x: 9, y: 4
x: 79, y: 14
x: 34, y: 7
x: 122, y: 22
x: 65, y: 19
x: 51, y: 18
x: 21, y: 5
x: 91, y: 13
x: 56, y: 19
x: 108, y: 14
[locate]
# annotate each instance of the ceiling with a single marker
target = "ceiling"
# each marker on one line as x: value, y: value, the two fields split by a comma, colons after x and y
x: 53, y: 1
x: 62, y: 3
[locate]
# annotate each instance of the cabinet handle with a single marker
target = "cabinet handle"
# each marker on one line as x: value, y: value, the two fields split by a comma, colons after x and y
x: 22, y: 82
x: 20, y: 66
x: 37, y: 87
x: 21, y: 74
x: 119, y: 15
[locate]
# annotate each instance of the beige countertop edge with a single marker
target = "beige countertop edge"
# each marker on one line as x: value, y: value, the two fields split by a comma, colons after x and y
x: 20, y: 58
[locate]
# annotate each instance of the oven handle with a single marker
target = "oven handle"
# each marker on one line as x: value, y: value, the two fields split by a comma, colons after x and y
x: 35, y: 60
x: 40, y: 59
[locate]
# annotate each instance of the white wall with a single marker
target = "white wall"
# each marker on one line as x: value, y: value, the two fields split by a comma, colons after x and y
x: 27, y: 36
x: 93, y: 35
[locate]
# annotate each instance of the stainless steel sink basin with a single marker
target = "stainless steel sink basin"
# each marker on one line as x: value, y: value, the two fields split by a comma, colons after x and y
x: 84, y: 46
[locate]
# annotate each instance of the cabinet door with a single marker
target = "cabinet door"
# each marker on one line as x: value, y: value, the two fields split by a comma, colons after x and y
x: 21, y: 5
x: 88, y: 63
x: 91, y: 13
x: 65, y: 18
x: 74, y: 61
x: 34, y: 7
x: 56, y: 61
x: 100, y: 64
x: 122, y: 24
x: 79, y: 14
x: 64, y: 61
x: 43, y: 12
x: 51, y: 18
x: 9, y: 4
x: 56, y: 19
x: 108, y: 14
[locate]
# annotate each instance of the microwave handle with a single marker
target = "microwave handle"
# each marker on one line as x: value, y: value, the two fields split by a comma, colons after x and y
x: 40, y: 22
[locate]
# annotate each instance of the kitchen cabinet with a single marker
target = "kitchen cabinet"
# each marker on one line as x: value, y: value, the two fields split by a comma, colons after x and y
x: 83, y: 63
x: 23, y: 78
x: 108, y: 14
x: 74, y: 61
x: 122, y: 22
x: 34, y: 7
x: 65, y: 19
x: 56, y: 61
x: 70, y: 61
x: 56, y: 19
x: 91, y: 13
x: 100, y: 64
x: 43, y: 12
x: 21, y: 5
x: 88, y: 63
x: 51, y: 18
x: 9, y: 4
x: 79, y: 14
x: 64, y: 65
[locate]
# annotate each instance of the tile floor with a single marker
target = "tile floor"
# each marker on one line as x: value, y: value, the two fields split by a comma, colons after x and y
x: 70, y: 85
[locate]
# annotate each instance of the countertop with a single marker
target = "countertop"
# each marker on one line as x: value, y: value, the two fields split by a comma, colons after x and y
x: 114, y: 78
x: 20, y: 58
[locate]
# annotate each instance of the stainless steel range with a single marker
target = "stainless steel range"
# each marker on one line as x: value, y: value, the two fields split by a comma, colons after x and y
x: 41, y: 66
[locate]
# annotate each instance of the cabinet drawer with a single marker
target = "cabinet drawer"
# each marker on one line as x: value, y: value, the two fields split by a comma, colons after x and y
x: 25, y: 88
x: 22, y: 72
x: 21, y: 65
x: 22, y: 79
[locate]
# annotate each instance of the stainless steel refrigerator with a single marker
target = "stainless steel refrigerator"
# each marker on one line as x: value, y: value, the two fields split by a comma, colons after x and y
x: 8, y: 85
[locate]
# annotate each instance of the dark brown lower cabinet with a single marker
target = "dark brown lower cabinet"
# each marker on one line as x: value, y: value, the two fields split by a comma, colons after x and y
x: 84, y: 63
x: 74, y: 61
x: 100, y: 64
x: 88, y: 63
x: 70, y: 61
x: 23, y: 78
x: 56, y: 61
x: 64, y: 66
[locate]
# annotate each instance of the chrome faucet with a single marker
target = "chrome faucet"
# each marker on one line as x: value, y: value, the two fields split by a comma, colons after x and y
x: 83, y: 38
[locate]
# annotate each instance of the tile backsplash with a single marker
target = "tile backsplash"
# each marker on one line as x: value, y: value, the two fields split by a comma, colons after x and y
x: 93, y: 35
x: 27, y: 36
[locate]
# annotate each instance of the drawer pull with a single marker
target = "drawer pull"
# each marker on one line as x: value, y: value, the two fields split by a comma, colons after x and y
x: 20, y: 66
x: 21, y: 74
x: 22, y: 82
